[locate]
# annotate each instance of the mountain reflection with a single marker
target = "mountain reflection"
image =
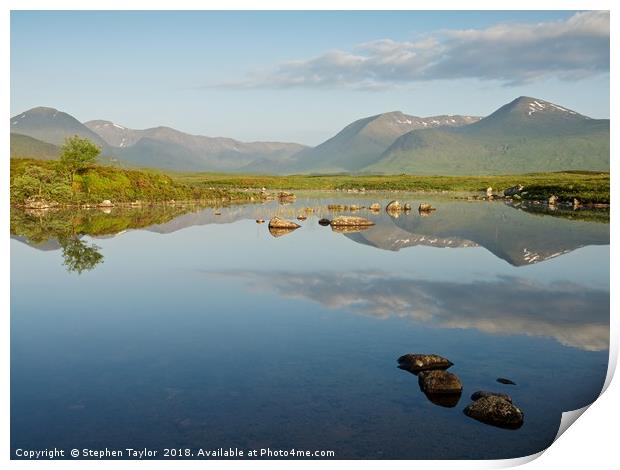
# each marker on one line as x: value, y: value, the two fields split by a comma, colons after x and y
x: 574, y: 315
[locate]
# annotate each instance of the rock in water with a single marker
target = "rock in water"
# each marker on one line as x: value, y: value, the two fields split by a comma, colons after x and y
x: 407, y: 206
x: 419, y: 362
x: 483, y: 394
x: 513, y: 190
x: 324, y: 222
x: 301, y: 217
x: 393, y: 206
x: 435, y: 382
x: 106, y: 203
x: 553, y: 200
x: 260, y: 221
x: 576, y: 203
x: 350, y: 221
x: 284, y: 196
x: 375, y: 207
x: 425, y: 207
x: 504, y: 381
x: 279, y: 223
x: 496, y: 411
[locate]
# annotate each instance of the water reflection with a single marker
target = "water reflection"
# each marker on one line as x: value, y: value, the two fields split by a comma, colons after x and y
x: 78, y: 255
x: 520, y: 235
x: 573, y: 315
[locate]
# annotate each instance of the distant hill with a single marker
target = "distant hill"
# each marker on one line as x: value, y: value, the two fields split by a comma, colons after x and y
x: 23, y: 146
x: 164, y: 147
x: 525, y: 135
x: 362, y: 142
x: 52, y: 126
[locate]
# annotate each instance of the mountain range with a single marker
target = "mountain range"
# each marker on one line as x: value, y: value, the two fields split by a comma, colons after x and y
x: 525, y: 135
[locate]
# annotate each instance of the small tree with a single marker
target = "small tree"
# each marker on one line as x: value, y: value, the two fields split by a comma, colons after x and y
x: 77, y: 154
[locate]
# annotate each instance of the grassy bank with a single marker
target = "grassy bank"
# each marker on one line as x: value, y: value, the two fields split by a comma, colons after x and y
x: 589, y: 187
x: 39, y: 180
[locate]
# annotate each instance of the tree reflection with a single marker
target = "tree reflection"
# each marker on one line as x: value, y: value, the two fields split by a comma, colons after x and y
x: 78, y: 255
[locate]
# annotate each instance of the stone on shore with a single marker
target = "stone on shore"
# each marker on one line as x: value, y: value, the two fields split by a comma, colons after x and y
x: 419, y: 362
x: 513, y: 190
x: 436, y: 382
x: 350, y: 221
x: 278, y: 223
x: 496, y: 411
x: 553, y: 200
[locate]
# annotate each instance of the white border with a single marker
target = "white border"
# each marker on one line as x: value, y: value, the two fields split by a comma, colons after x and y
x: 590, y: 444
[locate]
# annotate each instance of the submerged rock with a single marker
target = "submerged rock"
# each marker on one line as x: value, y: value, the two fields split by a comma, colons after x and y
x: 483, y: 394
x: 350, y: 221
x: 435, y: 382
x: 324, y: 222
x: 393, y: 206
x: 513, y: 190
x: 279, y: 223
x: 504, y: 381
x: 447, y: 400
x: 375, y: 207
x: 425, y: 207
x: 496, y: 411
x: 419, y: 362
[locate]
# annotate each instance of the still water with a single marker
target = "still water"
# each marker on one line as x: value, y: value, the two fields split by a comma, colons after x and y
x: 187, y: 329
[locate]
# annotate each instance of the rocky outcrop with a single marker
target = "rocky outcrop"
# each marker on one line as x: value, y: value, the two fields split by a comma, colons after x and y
x: 439, y: 382
x: 350, y: 221
x: 496, y: 411
x: 278, y: 223
x: 419, y: 362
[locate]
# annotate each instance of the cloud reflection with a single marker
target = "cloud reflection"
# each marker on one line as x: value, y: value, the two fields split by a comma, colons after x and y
x: 574, y: 315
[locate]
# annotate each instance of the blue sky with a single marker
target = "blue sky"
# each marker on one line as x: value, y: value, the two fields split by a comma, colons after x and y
x: 302, y: 76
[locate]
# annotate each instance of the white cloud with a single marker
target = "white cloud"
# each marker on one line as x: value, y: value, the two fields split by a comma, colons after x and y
x: 574, y: 48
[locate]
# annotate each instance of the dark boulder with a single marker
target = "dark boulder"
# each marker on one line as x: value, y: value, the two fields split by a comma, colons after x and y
x: 419, y: 362
x: 324, y: 222
x: 495, y: 411
x: 483, y: 394
x: 434, y: 382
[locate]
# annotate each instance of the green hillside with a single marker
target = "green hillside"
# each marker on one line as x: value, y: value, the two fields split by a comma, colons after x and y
x: 23, y: 146
x: 518, y: 138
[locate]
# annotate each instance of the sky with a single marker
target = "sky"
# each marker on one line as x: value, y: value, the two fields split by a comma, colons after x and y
x: 302, y: 76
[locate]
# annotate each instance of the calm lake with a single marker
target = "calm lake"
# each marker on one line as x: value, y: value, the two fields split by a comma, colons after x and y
x: 183, y: 328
